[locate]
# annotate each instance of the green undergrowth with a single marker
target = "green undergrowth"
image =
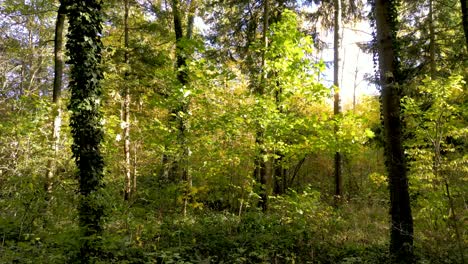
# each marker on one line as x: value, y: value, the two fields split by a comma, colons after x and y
x: 298, y: 228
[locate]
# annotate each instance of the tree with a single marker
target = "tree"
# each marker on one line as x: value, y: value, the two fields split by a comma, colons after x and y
x: 349, y: 11
x: 292, y: 75
x: 126, y: 109
x: 337, y: 104
x: 260, y: 172
x: 432, y: 43
x: 181, y: 111
x: 440, y: 44
x: 56, y: 94
x: 84, y: 49
x: 464, y: 9
x: 401, y: 231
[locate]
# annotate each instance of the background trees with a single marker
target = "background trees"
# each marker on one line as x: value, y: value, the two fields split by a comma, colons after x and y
x: 219, y: 91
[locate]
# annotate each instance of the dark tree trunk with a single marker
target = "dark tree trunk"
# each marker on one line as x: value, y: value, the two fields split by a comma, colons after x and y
x: 401, y: 234
x: 280, y: 173
x: 260, y: 172
x: 464, y: 9
x: 84, y: 47
x: 432, y: 39
x: 260, y: 163
x: 337, y: 102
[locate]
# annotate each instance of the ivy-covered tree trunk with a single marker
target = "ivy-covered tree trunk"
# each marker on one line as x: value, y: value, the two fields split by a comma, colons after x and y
x: 401, y: 232
x: 57, y: 89
x: 337, y: 100
x: 181, y: 111
x: 84, y: 48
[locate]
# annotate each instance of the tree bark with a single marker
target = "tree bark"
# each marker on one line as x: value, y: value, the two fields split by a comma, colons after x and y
x: 260, y: 163
x: 401, y: 232
x: 279, y: 171
x: 464, y: 9
x: 432, y: 39
x: 337, y: 102
x: 57, y: 111
x: 126, y: 110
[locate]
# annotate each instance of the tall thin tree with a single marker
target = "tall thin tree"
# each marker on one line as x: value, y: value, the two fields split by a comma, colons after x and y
x: 126, y: 108
x: 260, y: 171
x: 401, y: 231
x: 56, y: 94
x: 432, y: 50
x: 337, y: 102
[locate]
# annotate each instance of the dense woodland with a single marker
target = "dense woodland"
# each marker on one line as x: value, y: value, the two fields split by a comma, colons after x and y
x: 217, y: 131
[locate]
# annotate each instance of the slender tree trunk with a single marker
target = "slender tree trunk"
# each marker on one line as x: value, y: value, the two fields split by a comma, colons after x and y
x: 355, y: 84
x: 135, y: 162
x: 57, y: 111
x: 260, y: 172
x: 266, y: 14
x: 126, y: 110
x: 279, y: 171
x: 260, y: 164
x: 401, y: 232
x: 337, y: 104
x: 432, y: 39
x: 464, y: 9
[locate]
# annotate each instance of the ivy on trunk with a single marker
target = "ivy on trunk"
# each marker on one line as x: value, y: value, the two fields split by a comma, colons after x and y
x: 84, y: 49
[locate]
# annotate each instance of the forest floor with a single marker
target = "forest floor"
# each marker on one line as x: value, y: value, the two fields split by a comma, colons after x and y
x: 298, y: 228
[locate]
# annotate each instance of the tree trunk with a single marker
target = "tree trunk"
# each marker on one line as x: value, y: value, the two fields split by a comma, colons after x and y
x: 260, y: 163
x: 355, y: 83
x: 432, y: 39
x: 180, y: 112
x: 337, y: 104
x: 279, y: 172
x: 260, y: 171
x: 84, y: 47
x: 464, y: 9
x: 135, y: 163
x: 126, y: 111
x: 401, y: 234
x: 57, y: 111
